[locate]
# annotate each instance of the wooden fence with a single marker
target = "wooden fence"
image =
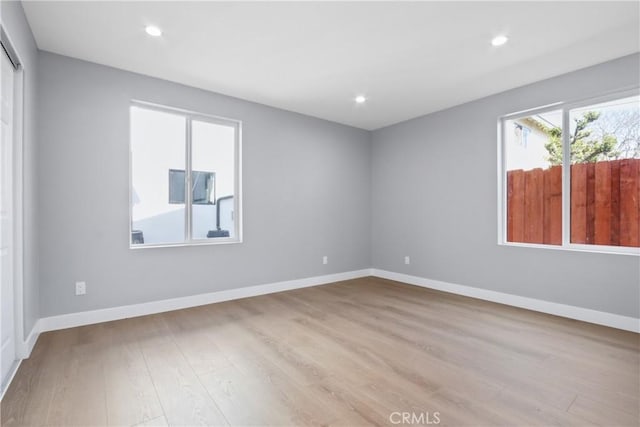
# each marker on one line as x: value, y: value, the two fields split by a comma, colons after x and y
x: 605, y: 204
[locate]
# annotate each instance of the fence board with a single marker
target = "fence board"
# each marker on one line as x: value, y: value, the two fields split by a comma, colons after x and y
x: 615, y: 204
x: 510, y: 198
x: 602, y: 203
x: 534, y: 206
x: 515, y: 207
x: 591, y: 203
x: 629, y: 203
x: 553, y: 206
x: 579, y: 203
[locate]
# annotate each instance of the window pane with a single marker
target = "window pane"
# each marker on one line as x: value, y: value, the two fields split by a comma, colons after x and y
x: 533, y: 161
x: 157, y: 169
x: 213, y: 180
x: 605, y: 173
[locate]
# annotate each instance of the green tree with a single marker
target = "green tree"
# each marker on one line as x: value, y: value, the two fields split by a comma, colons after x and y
x: 584, y: 147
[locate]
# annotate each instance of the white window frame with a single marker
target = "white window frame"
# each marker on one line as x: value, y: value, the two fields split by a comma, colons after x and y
x: 565, y: 107
x: 237, y: 200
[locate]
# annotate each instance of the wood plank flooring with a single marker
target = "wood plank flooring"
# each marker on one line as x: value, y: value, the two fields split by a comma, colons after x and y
x: 350, y: 353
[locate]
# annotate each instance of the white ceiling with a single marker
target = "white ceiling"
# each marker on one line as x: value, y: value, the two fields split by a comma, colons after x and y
x: 409, y: 59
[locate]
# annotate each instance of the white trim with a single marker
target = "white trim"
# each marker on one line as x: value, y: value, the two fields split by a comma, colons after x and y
x: 202, y: 242
x: 574, y: 102
x: 17, y: 153
x: 188, y: 189
x: 23, y: 351
x: 566, y: 179
x: 18, y: 206
x: 563, y: 310
x: 26, y: 347
x: 532, y: 111
x: 594, y: 249
x: 502, y: 185
x: 115, y: 313
x: 10, y: 376
x: 627, y: 92
x: 185, y: 112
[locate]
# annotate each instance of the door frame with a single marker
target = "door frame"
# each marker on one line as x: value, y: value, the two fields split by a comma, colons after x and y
x: 22, y: 350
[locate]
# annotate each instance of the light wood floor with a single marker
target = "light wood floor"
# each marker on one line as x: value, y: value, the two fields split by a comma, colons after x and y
x: 350, y: 353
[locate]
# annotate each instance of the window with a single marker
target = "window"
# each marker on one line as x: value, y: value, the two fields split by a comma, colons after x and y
x: 596, y: 205
x: 185, y: 178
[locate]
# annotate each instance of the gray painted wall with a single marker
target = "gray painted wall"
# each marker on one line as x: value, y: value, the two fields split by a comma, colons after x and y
x: 425, y: 188
x: 16, y: 26
x: 434, y: 198
x: 306, y: 194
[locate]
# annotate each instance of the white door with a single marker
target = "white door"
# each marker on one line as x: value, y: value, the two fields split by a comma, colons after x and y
x: 7, y: 318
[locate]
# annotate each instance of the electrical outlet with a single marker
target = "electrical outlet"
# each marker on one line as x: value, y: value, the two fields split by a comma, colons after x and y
x: 325, y: 260
x: 407, y: 260
x: 81, y: 288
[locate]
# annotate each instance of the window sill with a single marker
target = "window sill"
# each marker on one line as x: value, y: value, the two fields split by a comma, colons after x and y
x: 186, y: 244
x: 611, y: 250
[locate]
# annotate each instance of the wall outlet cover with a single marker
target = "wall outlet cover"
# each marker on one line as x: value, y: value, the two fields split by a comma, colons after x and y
x: 81, y: 288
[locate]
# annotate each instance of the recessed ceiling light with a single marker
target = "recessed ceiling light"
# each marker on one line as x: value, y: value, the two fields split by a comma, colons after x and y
x: 360, y: 99
x: 499, y: 40
x: 153, y: 31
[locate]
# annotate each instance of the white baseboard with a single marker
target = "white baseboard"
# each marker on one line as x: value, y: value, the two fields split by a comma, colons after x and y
x: 23, y: 351
x: 14, y: 370
x: 115, y: 313
x: 572, y: 312
x: 27, y: 346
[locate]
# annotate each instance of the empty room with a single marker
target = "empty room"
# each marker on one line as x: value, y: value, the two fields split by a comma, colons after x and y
x: 314, y: 213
